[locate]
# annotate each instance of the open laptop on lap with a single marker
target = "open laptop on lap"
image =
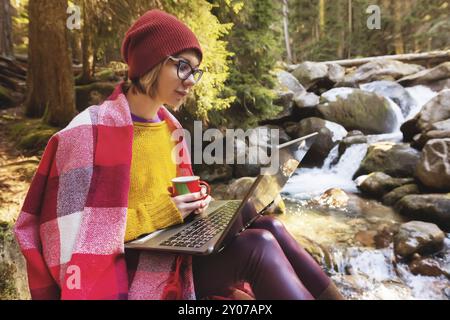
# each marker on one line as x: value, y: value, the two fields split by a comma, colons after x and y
x: 224, y: 219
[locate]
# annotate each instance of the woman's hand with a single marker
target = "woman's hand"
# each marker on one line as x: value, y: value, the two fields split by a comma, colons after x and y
x: 188, y: 203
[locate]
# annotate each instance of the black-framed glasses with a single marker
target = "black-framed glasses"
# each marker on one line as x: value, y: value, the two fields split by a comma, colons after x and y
x: 184, y: 70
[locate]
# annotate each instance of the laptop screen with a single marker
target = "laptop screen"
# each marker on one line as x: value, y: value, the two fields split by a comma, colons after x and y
x: 267, y: 187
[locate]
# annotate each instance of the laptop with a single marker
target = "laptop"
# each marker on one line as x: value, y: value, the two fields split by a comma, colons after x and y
x: 224, y: 219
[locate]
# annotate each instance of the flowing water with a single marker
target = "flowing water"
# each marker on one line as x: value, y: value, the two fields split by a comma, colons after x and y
x: 352, y: 236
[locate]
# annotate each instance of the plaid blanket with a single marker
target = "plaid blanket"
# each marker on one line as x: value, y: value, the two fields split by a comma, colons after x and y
x: 72, y: 224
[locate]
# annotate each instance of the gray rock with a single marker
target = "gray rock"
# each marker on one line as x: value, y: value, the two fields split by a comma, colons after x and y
x: 308, y: 99
x: 435, y: 110
x: 288, y: 83
x: 433, y: 169
x: 356, y: 109
x: 238, y: 188
x: 439, y: 72
x: 378, y: 184
x: 397, y: 160
x: 420, y: 140
x: 382, y: 69
x: 329, y: 135
x: 439, y: 85
x: 393, y: 91
x: 285, y: 101
x: 433, y: 208
x: 395, y: 195
x: 418, y: 237
x: 308, y: 73
x: 353, y: 137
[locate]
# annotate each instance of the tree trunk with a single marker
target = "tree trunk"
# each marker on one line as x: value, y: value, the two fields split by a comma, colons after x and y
x: 350, y: 28
x: 286, y: 30
x: 341, y: 38
x: 321, y: 18
x: 75, y: 45
x: 6, y: 44
x: 49, y: 77
x: 398, y: 37
x: 87, y: 46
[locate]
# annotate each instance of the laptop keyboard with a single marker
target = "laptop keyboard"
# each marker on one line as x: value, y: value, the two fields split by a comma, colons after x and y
x: 203, y: 230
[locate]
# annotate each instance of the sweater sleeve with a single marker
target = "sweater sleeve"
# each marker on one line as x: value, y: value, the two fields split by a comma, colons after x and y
x: 160, y: 213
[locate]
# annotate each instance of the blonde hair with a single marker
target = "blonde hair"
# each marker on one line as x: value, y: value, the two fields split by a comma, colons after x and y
x: 146, y: 84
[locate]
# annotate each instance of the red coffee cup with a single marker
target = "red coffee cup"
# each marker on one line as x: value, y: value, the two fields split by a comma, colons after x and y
x: 188, y: 184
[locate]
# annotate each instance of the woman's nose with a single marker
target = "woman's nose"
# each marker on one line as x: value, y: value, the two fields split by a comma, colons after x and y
x: 190, y: 81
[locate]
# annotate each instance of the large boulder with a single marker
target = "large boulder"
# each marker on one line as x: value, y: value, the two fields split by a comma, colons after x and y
x: 377, y: 184
x: 432, y: 122
x: 439, y: 72
x: 286, y: 89
x: 433, y: 208
x: 397, y: 160
x: 435, y: 110
x: 381, y: 69
x: 329, y: 135
x: 393, y: 91
x: 418, y: 237
x: 356, y: 109
x: 309, y: 73
x: 287, y: 82
x: 433, y: 168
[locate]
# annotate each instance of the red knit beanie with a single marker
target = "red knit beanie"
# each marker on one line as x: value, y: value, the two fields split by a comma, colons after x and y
x: 153, y: 37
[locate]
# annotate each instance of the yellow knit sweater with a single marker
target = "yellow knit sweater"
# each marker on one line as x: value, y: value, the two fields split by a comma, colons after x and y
x: 152, y: 168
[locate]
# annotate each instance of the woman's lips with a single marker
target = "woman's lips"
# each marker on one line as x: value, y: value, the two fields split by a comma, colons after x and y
x: 181, y: 93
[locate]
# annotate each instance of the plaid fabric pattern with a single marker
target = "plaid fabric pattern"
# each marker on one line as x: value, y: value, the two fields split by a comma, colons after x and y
x: 72, y: 224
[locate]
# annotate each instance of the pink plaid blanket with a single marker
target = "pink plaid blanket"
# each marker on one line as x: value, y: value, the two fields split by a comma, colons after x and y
x: 72, y: 224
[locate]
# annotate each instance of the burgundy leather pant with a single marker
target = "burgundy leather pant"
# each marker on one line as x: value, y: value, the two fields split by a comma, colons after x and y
x: 266, y: 256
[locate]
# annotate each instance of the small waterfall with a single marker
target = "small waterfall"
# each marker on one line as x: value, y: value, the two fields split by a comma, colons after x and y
x: 310, y: 182
x: 421, y: 96
x: 307, y: 183
x: 398, y: 113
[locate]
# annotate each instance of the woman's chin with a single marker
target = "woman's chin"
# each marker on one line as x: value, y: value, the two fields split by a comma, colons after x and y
x: 175, y: 106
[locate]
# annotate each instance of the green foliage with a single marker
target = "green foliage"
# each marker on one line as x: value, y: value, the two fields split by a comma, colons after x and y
x: 20, y: 26
x: 208, y: 92
x: 255, y: 42
x: 110, y: 18
x: 423, y: 26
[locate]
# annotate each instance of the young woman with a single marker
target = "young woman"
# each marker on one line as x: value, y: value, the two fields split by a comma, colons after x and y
x: 103, y: 180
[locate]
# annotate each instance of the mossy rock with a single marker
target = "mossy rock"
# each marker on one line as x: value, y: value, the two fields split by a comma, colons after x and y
x: 6, y: 99
x: 31, y: 135
x: 13, y: 276
x: 107, y: 74
x: 355, y: 109
x: 92, y: 94
x: 8, y: 290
